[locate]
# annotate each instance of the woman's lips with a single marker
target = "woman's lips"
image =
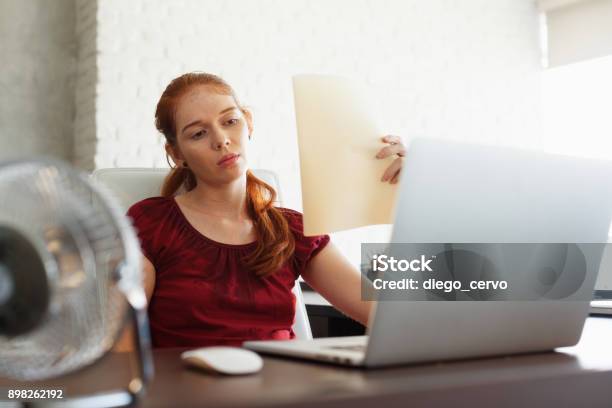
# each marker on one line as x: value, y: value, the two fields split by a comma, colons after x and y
x: 228, y: 159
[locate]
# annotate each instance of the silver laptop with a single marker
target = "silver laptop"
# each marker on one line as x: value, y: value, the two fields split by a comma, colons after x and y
x: 456, y: 193
x: 602, y: 304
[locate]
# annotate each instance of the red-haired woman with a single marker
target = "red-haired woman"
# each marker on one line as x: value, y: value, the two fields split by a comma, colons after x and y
x: 220, y: 260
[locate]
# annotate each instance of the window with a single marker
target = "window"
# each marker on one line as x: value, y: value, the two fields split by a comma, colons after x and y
x: 577, y: 109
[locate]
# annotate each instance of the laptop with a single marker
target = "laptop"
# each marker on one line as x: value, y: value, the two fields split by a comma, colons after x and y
x: 463, y: 193
x: 601, y: 305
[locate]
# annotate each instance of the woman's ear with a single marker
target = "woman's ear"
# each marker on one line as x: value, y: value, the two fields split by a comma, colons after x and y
x: 174, y: 153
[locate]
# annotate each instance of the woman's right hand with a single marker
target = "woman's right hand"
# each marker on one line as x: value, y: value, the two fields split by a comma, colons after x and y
x: 395, y: 146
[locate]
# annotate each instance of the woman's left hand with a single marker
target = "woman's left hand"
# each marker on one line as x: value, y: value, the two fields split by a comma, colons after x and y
x: 395, y: 146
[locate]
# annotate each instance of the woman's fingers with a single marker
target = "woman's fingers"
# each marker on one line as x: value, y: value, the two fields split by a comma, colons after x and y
x: 395, y: 178
x: 392, y: 172
x: 395, y: 147
x: 390, y: 150
x: 392, y: 139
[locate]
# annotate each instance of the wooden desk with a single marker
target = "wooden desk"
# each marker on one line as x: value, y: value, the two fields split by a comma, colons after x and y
x: 578, y: 376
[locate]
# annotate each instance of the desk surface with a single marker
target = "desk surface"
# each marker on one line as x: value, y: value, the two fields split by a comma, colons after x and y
x: 574, y: 376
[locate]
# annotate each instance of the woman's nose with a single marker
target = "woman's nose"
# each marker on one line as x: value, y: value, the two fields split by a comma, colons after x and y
x: 220, y: 142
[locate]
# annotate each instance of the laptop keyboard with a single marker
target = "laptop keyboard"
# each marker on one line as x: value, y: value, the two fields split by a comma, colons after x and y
x: 354, y: 347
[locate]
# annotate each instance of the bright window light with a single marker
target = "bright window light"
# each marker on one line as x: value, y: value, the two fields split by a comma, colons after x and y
x: 577, y: 109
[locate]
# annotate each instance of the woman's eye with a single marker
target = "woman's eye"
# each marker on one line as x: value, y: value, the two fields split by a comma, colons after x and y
x: 197, y: 135
x: 232, y: 121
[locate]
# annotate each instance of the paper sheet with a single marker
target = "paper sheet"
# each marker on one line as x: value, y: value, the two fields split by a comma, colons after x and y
x: 338, y: 139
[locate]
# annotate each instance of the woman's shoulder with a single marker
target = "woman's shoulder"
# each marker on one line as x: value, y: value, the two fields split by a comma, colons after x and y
x: 305, y: 246
x: 150, y: 206
x: 295, y: 218
x: 288, y: 212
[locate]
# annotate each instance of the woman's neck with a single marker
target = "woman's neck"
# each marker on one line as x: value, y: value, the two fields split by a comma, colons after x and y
x: 225, y: 201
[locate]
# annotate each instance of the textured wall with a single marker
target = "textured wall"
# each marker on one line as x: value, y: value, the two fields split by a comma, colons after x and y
x: 457, y: 69
x: 86, y: 78
x: 38, y: 51
x: 465, y: 69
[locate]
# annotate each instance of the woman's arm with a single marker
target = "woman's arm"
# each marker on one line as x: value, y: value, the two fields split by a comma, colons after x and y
x: 331, y: 274
x: 126, y: 342
x: 148, y: 278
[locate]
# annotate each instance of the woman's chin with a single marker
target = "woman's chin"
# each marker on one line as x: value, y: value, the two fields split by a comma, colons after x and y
x: 233, y: 172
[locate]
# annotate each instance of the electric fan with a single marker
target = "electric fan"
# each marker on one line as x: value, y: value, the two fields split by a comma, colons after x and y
x: 70, y: 277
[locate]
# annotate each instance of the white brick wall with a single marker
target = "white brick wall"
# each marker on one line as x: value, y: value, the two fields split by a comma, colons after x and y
x: 85, y: 140
x: 38, y: 52
x: 457, y: 69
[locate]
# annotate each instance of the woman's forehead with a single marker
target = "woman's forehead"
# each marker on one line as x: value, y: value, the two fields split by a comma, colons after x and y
x: 203, y: 100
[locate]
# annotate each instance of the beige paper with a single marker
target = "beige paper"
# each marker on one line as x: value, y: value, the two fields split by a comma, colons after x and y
x: 338, y: 140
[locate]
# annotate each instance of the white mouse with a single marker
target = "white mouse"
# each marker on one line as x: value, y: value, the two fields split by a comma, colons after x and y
x: 224, y: 360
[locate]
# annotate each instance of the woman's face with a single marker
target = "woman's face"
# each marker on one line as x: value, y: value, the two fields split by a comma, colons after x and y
x: 212, y: 134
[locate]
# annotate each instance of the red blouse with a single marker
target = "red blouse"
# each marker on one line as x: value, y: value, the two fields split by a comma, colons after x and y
x: 203, y: 294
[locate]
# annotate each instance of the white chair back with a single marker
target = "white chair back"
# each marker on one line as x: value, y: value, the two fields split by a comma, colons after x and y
x: 130, y: 185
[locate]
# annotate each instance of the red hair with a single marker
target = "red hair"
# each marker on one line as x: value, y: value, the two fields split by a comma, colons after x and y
x: 275, y: 242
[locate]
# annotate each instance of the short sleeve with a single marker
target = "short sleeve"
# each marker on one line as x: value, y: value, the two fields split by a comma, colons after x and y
x: 145, y: 226
x: 305, y: 247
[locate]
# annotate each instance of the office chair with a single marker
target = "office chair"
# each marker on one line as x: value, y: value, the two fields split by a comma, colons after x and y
x: 130, y: 185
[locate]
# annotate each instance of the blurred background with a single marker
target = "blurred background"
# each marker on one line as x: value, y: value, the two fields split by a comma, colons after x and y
x: 79, y: 79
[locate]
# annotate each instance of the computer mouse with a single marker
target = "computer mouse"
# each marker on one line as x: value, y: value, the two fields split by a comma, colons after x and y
x: 224, y: 360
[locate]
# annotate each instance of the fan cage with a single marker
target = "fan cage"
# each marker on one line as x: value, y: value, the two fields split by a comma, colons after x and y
x: 92, y: 261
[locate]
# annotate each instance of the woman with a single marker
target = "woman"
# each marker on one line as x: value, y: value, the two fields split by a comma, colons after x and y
x: 219, y: 259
